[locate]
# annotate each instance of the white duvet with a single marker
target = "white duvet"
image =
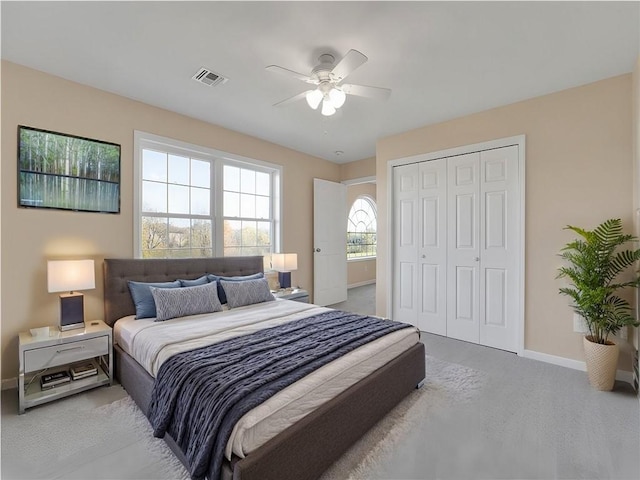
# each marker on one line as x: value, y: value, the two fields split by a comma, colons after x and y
x: 151, y: 343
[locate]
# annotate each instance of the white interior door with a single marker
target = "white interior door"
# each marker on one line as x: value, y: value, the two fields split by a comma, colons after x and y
x: 499, y: 241
x: 330, y: 242
x: 406, y: 240
x: 432, y: 254
x: 463, y: 256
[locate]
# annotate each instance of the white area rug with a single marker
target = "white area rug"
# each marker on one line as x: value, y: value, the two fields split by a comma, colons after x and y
x: 64, y: 433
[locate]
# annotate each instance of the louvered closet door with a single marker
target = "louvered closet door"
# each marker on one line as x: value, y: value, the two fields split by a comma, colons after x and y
x: 406, y: 240
x: 432, y: 255
x: 463, y: 256
x: 499, y: 241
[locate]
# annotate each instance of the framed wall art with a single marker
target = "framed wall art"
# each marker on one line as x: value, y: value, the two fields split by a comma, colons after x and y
x: 67, y: 172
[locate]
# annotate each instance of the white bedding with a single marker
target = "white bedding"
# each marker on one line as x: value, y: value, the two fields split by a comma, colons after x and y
x: 151, y: 343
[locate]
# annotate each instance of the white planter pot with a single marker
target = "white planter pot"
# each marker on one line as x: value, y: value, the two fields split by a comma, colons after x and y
x: 602, y: 363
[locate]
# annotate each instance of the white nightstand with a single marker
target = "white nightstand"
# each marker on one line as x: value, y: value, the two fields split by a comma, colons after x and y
x: 47, y: 354
x: 295, y: 294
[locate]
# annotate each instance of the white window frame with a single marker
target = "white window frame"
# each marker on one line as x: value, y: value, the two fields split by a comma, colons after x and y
x: 145, y: 140
x: 374, y: 207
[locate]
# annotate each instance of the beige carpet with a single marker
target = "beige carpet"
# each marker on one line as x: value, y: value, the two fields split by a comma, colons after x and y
x: 61, y: 434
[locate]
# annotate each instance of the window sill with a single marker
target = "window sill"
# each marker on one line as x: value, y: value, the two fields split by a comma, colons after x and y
x: 360, y: 259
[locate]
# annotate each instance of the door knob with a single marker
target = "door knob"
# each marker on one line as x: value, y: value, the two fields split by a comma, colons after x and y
x: 477, y: 259
x: 424, y: 256
x: 318, y: 250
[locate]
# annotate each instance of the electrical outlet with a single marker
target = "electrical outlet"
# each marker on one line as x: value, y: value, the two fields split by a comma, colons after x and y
x: 579, y: 325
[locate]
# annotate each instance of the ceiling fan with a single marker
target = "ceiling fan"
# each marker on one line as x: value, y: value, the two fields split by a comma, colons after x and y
x: 328, y: 77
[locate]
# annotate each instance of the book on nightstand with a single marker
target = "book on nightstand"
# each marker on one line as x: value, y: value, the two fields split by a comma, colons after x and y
x: 51, y: 380
x: 82, y: 370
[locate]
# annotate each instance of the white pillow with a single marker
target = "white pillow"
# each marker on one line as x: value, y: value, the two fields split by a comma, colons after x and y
x: 185, y: 301
x: 247, y: 292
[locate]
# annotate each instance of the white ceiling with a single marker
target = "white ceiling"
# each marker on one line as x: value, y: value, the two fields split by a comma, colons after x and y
x: 441, y: 59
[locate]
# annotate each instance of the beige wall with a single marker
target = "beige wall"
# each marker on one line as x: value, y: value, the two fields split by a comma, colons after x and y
x: 358, y: 169
x: 578, y: 171
x: 31, y: 236
x: 360, y: 272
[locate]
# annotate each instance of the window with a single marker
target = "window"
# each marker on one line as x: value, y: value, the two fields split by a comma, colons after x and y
x: 196, y: 202
x: 361, y: 229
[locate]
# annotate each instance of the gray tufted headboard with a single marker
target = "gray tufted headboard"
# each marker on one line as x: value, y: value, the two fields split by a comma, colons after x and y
x: 117, y: 299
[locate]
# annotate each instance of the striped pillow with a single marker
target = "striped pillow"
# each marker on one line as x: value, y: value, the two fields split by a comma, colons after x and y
x: 247, y: 292
x: 180, y: 302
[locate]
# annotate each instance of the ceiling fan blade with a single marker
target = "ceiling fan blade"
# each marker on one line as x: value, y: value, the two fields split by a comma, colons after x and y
x: 377, y: 93
x: 290, y: 73
x: 352, y: 60
x: 289, y: 100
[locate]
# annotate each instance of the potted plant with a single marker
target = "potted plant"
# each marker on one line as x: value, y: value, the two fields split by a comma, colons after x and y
x: 595, y: 262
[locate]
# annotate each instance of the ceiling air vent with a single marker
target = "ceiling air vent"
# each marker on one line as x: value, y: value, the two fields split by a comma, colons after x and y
x: 209, y: 78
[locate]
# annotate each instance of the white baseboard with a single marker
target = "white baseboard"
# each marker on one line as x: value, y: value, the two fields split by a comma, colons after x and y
x: 9, y: 383
x: 361, y: 284
x: 621, y: 375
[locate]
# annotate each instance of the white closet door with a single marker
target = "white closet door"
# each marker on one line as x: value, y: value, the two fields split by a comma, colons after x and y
x: 406, y: 238
x: 463, y: 247
x: 499, y: 241
x: 432, y: 255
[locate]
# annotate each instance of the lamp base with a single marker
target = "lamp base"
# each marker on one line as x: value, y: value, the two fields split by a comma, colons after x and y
x: 71, y: 311
x: 284, y: 278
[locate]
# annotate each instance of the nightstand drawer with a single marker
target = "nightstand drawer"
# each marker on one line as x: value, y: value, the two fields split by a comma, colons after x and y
x: 68, y: 352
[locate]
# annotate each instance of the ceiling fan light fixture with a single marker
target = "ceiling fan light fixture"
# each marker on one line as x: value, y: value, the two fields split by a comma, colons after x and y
x: 337, y: 97
x: 327, y: 108
x: 314, y: 97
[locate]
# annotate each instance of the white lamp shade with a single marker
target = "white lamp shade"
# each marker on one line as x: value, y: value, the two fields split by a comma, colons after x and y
x: 337, y: 97
x: 314, y: 97
x: 285, y: 262
x: 70, y: 275
x: 327, y: 108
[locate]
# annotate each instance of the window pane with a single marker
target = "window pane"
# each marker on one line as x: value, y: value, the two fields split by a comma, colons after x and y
x: 178, y: 170
x: 264, y: 234
x: 232, y: 233
x: 263, y: 183
x: 178, y: 199
x: 262, y: 207
x: 249, y: 232
x: 231, y: 178
x: 361, y: 229
x: 154, y: 197
x: 179, y: 233
x: 154, y: 165
x: 200, y: 173
x: 201, y: 238
x: 154, y: 233
x: 200, y: 201
x: 247, y: 181
x: 232, y: 251
x: 231, y: 204
x: 247, y: 206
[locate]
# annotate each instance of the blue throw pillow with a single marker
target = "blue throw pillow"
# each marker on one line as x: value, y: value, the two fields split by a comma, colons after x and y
x: 248, y: 292
x: 180, y: 302
x: 143, y: 299
x: 221, y: 293
x: 203, y: 280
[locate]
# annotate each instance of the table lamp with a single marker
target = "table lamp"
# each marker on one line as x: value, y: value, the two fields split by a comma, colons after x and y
x: 69, y: 276
x: 284, y: 264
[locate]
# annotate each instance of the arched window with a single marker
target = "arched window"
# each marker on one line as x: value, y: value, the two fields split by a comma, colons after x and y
x: 361, y: 229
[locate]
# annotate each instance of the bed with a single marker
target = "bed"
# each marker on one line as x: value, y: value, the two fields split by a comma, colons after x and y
x: 302, y: 450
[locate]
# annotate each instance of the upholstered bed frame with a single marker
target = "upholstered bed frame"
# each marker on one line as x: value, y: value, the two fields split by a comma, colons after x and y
x: 307, y: 448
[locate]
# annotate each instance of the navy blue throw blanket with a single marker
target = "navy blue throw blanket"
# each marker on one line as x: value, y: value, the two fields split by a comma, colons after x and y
x: 199, y: 395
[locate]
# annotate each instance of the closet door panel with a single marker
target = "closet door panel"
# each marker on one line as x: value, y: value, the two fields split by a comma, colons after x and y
x: 463, y: 247
x: 406, y: 243
x: 432, y: 254
x: 499, y: 249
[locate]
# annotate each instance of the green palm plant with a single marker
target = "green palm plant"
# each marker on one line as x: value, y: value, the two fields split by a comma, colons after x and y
x: 595, y: 261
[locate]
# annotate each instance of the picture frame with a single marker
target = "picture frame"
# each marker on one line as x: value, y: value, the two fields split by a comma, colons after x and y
x: 67, y: 172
